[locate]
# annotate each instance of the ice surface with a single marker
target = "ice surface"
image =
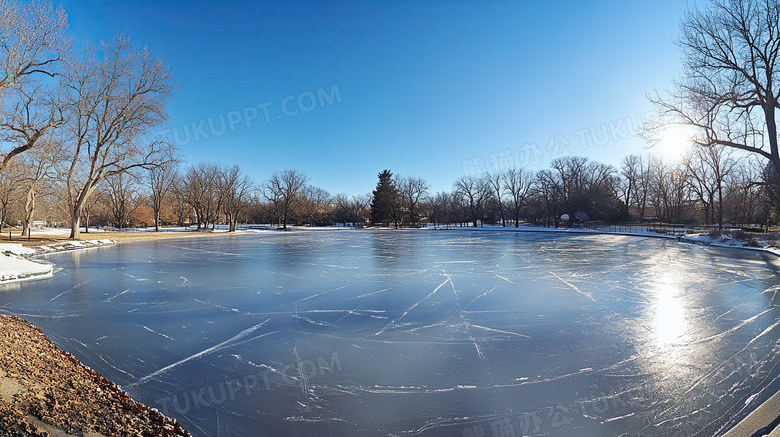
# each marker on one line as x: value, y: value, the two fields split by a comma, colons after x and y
x: 376, y: 333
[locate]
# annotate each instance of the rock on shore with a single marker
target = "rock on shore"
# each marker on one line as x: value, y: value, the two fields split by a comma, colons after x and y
x: 46, y: 391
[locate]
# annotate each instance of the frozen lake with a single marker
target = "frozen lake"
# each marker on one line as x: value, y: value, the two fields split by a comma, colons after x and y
x: 459, y: 333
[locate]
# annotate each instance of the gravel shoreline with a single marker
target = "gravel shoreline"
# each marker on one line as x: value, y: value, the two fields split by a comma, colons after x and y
x: 46, y: 391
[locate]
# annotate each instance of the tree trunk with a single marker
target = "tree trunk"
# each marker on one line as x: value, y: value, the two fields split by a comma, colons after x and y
x: 771, y: 124
x: 75, y: 223
x: 720, y: 206
x: 75, y: 214
x: 29, y: 210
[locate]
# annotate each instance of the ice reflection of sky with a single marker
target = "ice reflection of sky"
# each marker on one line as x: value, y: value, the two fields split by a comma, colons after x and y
x: 437, y: 333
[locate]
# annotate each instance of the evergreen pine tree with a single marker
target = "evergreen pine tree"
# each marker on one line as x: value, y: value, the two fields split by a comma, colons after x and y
x: 385, y: 194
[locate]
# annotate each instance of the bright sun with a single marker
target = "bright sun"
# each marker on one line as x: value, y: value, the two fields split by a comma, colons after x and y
x: 674, y: 142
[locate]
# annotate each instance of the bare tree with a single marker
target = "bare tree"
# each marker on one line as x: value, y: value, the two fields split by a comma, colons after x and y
x: 496, y: 182
x: 474, y: 193
x: 34, y: 113
x: 33, y: 42
x: 707, y: 169
x: 730, y: 90
x: 517, y: 186
x: 201, y: 188
x: 574, y: 185
x: 160, y: 182
x: 744, y: 198
x: 236, y: 190
x: 353, y: 209
x: 671, y: 191
x: 721, y: 162
x: 701, y: 181
x: 282, y: 190
x: 33, y: 39
x: 643, y: 186
x: 95, y: 205
x: 124, y: 197
x: 440, y: 209
x: 549, y: 188
x: 630, y: 169
x: 570, y: 172
x: 11, y: 182
x: 180, y: 209
x: 315, y: 204
x: 361, y: 208
x: 40, y: 165
x: 411, y: 190
x: 115, y: 97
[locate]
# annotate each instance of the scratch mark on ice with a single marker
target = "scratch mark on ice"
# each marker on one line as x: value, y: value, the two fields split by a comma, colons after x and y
x: 413, y: 307
x: 484, y: 294
x: 323, y: 293
x: 507, y: 280
x: 71, y: 289
x: 155, y: 332
x: 499, y: 330
x: 116, y: 295
x: 574, y: 287
x: 214, y: 348
x: 373, y: 292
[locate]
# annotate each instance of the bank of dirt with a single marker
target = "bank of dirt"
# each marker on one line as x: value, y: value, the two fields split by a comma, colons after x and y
x: 45, y: 391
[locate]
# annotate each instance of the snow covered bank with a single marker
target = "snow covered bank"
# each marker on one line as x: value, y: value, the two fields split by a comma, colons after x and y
x: 727, y: 240
x: 16, y: 267
x: 65, y: 246
x: 17, y: 262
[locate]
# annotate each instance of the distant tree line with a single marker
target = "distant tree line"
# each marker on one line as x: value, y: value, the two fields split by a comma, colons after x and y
x: 709, y: 185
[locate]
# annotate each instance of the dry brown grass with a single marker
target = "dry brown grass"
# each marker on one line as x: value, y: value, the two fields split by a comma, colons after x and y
x: 42, y: 238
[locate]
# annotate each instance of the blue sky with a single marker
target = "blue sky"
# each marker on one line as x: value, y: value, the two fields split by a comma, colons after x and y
x: 428, y: 89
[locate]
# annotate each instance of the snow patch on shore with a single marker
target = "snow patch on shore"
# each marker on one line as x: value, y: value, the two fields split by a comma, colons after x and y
x: 16, y: 267
x: 17, y: 262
